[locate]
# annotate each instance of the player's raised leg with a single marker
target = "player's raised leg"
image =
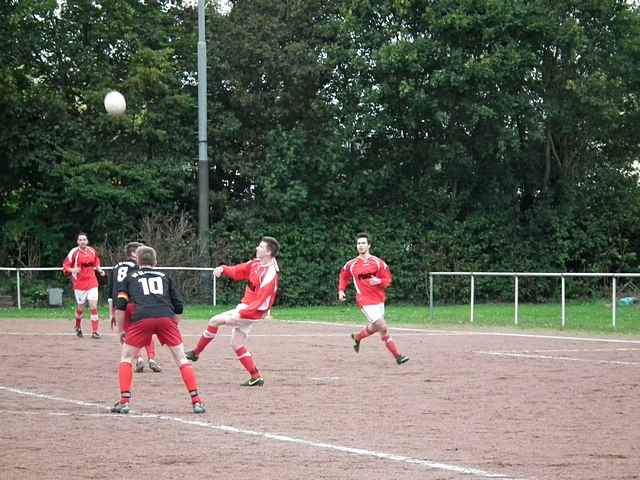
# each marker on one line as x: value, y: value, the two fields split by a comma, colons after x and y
x: 210, y: 333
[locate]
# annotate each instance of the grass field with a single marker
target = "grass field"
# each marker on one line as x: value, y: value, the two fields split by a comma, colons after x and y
x: 581, y: 317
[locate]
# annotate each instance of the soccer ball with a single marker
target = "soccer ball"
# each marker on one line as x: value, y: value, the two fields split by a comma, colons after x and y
x: 114, y: 103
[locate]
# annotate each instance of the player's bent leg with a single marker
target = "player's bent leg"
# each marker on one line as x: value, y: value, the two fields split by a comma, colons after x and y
x: 210, y: 333
x: 188, y: 377
x: 390, y: 343
x: 365, y: 332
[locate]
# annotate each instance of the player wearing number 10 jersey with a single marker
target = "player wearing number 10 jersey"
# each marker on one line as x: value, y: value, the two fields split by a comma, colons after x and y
x: 157, y: 309
x: 118, y: 276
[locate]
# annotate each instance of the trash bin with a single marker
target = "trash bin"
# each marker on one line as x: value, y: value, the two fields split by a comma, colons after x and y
x: 55, y: 297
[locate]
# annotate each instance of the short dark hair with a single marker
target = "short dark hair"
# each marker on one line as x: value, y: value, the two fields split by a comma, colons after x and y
x: 273, y: 245
x: 147, y: 256
x: 364, y: 235
x: 131, y: 247
x: 81, y: 233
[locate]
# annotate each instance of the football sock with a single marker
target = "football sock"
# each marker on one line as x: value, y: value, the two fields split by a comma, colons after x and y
x: 125, y: 375
x: 79, y: 313
x: 207, y: 336
x: 364, y: 333
x: 391, y: 345
x: 189, y: 379
x: 245, y: 358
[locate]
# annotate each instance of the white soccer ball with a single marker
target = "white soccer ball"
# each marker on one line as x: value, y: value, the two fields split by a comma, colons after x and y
x: 114, y: 103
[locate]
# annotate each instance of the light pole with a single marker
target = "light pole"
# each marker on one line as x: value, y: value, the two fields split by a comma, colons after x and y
x: 203, y: 160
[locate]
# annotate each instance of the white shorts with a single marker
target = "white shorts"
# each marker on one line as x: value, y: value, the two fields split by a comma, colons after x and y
x: 83, y: 295
x: 373, y: 312
x: 244, y: 325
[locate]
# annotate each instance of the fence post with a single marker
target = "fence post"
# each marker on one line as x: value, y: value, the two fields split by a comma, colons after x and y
x: 516, y: 300
x: 215, y: 301
x: 431, y: 297
x: 18, y: 288
x: 472, y: 295
x: 613, y: 302
x: 562, y: 301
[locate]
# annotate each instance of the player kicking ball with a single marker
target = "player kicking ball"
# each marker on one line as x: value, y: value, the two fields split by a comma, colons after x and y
x: 261, y: 275
x: 371, y: 277
x: 157, y: 310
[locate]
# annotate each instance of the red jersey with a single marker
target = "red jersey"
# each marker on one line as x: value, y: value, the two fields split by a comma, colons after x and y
x: 87, y: 259
x: 361, y: 270
x: 262, y: 285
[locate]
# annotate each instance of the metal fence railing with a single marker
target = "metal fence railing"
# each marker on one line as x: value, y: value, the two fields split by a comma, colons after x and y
x: 19, y: 272
x: 516, y: 275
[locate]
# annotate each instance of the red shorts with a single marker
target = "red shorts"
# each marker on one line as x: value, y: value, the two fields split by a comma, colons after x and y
x: 128, y: 313
x: 165, y: 328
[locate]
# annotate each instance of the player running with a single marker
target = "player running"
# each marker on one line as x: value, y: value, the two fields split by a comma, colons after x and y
x: 82, y: 263
x: 157, y: 310
x: 261, y: 275
x: 116, y: 280
x: 371, y: 276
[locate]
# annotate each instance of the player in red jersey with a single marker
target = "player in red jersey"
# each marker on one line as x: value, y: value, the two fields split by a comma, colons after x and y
x: 371, y: 276
x: 116, y: 280
x: 261, y: 275
x: 82, y: 263
x: 158, y: 308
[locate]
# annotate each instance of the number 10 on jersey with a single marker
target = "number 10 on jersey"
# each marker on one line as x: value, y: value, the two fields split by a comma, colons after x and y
x: 151, y: 285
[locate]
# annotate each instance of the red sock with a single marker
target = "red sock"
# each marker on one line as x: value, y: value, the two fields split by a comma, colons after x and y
x: 189, y: 379
x: 245, y: 358
x: 79, y: 312
x: 151, y: 350
x: 207, y: 336
x: 391, y: 345
x: 125, y: 374
x: 364, y: 333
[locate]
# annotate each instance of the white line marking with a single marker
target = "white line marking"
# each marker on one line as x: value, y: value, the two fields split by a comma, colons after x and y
x: 550, y: 357
x: 280, y: 438
x: 472, y: 333
x: 574, y: 350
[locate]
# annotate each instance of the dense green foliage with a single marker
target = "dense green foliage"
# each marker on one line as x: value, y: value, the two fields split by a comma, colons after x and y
x: 464, y: 135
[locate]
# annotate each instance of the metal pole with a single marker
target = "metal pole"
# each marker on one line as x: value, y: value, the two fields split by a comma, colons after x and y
x: 18, y: 286
x: 562, y: 295
x: 431, y: 297
x: 215, y: 300
x: 472, y: 295
x: 613, y: 302
x: 516, y: 300
x: 203, y: 160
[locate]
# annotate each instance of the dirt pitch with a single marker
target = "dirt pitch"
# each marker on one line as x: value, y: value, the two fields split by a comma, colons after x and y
x: 468, y: 405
